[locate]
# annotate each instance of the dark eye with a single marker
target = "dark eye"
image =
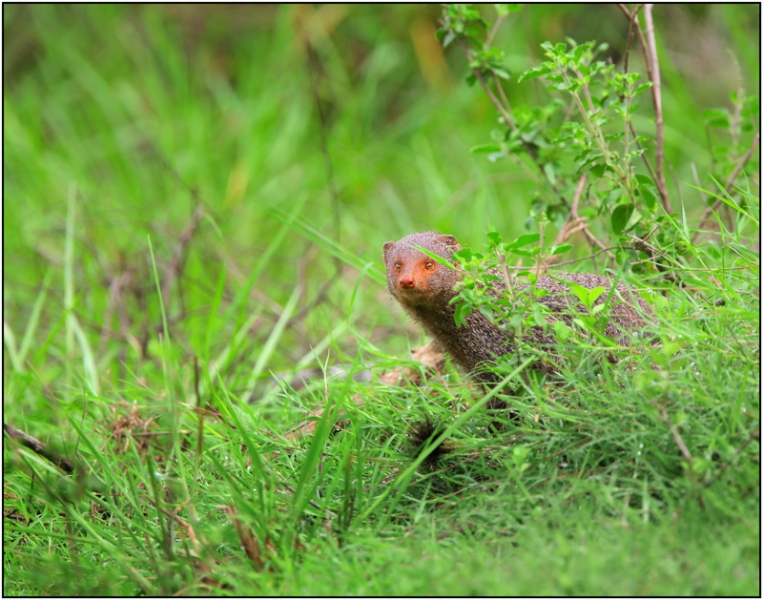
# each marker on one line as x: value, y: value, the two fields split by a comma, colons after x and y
x: 429, y: 266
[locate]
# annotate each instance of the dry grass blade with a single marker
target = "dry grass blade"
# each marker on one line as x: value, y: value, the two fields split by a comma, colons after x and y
x: 248, y: 543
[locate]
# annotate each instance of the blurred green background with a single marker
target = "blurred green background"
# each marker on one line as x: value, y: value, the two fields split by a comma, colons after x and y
x: 126, y: 118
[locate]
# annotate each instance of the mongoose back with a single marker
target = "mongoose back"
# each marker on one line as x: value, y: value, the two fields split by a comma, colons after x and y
x: 424, y: 288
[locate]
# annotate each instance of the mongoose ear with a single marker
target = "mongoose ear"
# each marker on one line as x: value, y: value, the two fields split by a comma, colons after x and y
x: 448, y: 240
x: 388, y: 248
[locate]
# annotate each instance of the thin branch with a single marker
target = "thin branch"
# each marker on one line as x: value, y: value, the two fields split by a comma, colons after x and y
x: 590, y: 256
x: 505, y: 112
x: 677, y: 438
x: 631, y: 18
x: 697, y: 181
x: 656, y: 97
x: 319, y: 297
x: 177, y: 262
x: 742, y: 163
x: 36, y: 446
x: 678, y: 185
x: 494, y: 30
x: 643, y: 154
x: 504, y: 99
x: 735, y: 173
x: 501, y: 109
x: 575, y: 216
x: 313, y: 62
x: 653, y: 71
x: 573, y: 224
x: 578, y: 193
x: 642, y: 245
x: 753, y: 436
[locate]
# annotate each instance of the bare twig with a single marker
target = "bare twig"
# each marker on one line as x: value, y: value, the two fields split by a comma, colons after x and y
x: 643, y: 154
x: 504, y: 99
x: 677, y: 438
x: 38, y: 447
x: 319, y: 298
x: 494, y: 30
x: 590, y: 256
x: 574, y: 216
x: 642, y: 245
x: 753, y: 436
x: 177, y: 262
x: 696, y: 181
x: 313, y: 63
x: 743, y: 162
x: 735, y: 173
x: 631, y: 18
x: 678, y: 185
x: 657, y: 98
x: 573, y: 224
x: 649, y: 47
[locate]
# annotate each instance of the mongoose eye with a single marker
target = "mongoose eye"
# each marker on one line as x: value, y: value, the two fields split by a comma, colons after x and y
x: 429, y: 265
x: 398, y: 266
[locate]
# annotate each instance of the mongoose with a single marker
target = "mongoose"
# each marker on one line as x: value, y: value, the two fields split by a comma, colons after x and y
x: 424, y: 288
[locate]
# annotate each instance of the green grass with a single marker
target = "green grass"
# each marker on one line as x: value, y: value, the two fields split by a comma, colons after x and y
x: 172, y: 393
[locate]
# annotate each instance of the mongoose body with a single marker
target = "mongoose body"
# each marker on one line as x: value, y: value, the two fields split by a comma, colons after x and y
x: 425, y: 288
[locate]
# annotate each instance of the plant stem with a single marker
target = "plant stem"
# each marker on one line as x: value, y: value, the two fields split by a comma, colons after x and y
x: 654, y: 74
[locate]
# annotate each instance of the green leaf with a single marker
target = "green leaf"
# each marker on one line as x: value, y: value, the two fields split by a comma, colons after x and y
x: 463, y: 255
x: 648, y: 195
x: 613, y: 196
x: 534, y: 72
x: 585, y: 295
x: 463, y: 310
x: 620, y: 217
x: 505, y: 9
x: 522, y: 253
x: 561, y: 249
x: 523, y: 240
x: 578, y: 52
x: 485, y: 148
x: 716, y: 117
x: 519, y: 455
x: 562, y: 331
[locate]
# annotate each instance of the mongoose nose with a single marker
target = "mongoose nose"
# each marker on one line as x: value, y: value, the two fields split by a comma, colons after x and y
x: 407, y: 282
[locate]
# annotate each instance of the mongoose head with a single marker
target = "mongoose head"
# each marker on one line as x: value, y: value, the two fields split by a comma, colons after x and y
x: 416, y: 279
